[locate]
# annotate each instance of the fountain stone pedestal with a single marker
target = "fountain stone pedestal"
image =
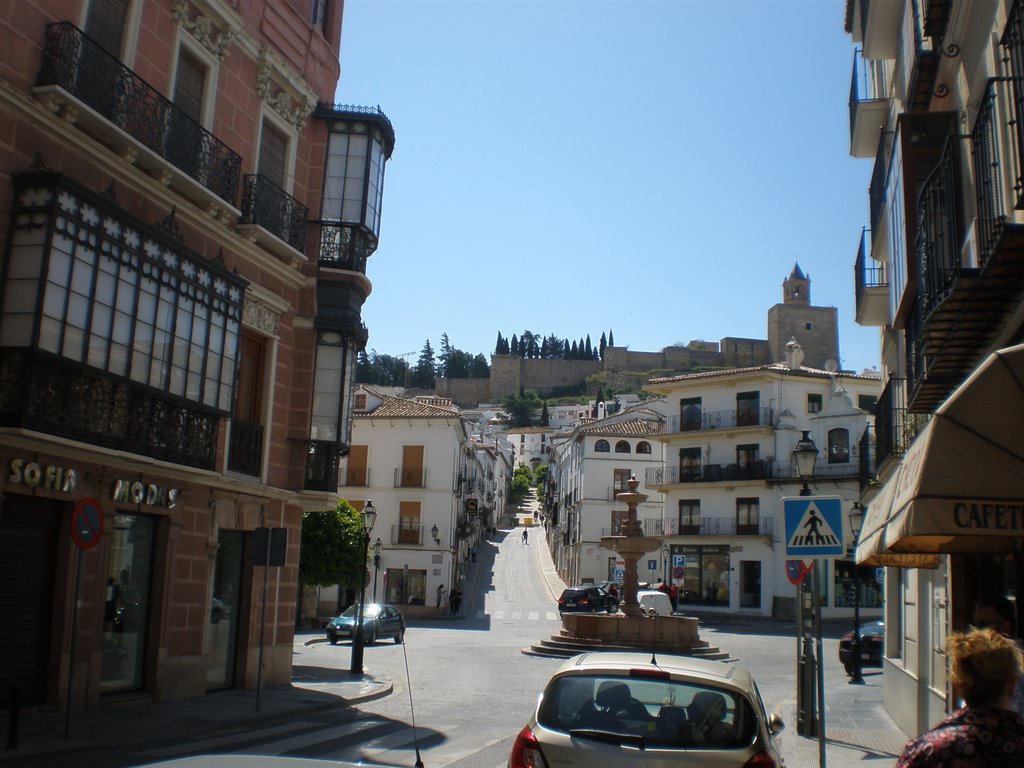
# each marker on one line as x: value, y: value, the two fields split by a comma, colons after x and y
x: 631, y: 629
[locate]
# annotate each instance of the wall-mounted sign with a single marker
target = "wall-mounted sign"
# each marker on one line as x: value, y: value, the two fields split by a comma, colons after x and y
x: 47, y: 476
x: 138, y: 492
x: 87, y: 523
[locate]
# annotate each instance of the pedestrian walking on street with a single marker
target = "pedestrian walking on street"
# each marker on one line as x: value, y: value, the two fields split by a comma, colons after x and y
x: 985, y: 668
x: 526, y: 536
x: 455, y: 597
x: 440, y: 594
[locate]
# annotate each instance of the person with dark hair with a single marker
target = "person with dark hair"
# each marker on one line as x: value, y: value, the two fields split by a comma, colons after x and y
x: 1000, y: 614
x: 984, y: 670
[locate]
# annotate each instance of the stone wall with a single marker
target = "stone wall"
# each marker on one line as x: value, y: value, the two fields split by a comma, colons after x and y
x: 465, y: 393
x: 820, y: 341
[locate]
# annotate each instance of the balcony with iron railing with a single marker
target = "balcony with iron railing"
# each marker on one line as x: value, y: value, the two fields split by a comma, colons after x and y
x: 355, y: 477
x: 869, y: 103
x: 708, y: 526
x: 245, y: 447
x: 877, y: 188
x: 410, y: 478
x: 91, y: 88
x: 323, y: 458
x: 871, y: 286
x: 895, y: 426
x: 706, y: 473
x: 43, y: 393
x: 408, y: 534
x: 920, y: 57
x: 708, y: 420
x: 275, y: 219
x: 867, y: 452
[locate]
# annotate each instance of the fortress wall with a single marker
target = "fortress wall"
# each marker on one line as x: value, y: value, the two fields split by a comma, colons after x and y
x: 465, y: 393
x: 741, y: 353
x: 545, y: 375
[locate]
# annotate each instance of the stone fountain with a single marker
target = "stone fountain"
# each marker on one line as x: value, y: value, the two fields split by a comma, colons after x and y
x: 629, y: 629
x: 631, y: 545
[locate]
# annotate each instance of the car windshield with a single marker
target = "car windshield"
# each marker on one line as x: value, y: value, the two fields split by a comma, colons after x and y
x: 654, y: 712
x: 370, y: 611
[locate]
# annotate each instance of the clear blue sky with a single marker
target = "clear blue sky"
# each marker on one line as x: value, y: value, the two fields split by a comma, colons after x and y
x: 574, y: 166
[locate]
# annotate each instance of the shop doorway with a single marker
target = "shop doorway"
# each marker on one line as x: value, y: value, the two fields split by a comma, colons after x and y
x: 750, y: 583
x: 29, y: 530
x: 225, y: 612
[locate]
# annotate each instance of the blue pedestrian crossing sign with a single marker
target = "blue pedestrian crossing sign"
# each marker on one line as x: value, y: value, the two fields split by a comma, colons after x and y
x: 814, y: 527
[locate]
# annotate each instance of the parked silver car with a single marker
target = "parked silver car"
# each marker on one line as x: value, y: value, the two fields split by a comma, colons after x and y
x: 611, y: 710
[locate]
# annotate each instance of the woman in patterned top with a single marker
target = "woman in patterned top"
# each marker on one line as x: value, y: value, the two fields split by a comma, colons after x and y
x: 985, y: 669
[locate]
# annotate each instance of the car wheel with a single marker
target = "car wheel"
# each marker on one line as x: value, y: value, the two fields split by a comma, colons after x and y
x: 372, y: 638
x: 848, y: 668
x: 400, y: 637
x: 333, y: 639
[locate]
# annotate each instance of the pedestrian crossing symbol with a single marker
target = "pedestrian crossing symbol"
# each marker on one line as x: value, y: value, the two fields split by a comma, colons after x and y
x: 814, y: 527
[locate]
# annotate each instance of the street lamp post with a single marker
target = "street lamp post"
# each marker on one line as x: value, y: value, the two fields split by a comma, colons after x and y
x: 810, y: 702
x: 369, y: 518
x: 856, y: 520
x: 376, y: 565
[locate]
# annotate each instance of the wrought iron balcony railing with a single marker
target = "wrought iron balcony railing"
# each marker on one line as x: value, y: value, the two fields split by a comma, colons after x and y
x: 867, y: 458
x: 245, y: 447
x: 705, y: 526
x: 407, y: 534
x: 996, y: 162
x: 707, y: 473
x: 79, y: 66
x: 345, y: 246
x: 702, y: 420
x: 410, y: 478
x: 867, y: 272
x: 939, y: 231
x: 895, y: 426
x: 356, y: 477
x: 267, y: 205
x: 322, y: 461
x: 57, y: 396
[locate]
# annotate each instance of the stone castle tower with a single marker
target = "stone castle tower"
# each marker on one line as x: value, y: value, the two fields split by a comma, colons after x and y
x: 816, y: 329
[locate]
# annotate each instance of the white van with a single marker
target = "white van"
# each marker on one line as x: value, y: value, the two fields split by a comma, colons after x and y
x: 654, y: 602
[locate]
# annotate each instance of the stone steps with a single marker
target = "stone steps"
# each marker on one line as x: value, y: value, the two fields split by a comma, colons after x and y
x: 564, y: 647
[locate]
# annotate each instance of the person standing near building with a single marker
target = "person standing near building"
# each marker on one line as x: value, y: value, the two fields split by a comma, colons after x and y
x: 985, y: 668
x: 1000, y: 614
x: 441, y: 591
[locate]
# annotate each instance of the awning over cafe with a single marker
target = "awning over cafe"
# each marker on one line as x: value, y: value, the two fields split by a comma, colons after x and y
x: 960, y: 487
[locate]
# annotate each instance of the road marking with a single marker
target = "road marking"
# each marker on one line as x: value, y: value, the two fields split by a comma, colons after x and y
x: 247, y: 735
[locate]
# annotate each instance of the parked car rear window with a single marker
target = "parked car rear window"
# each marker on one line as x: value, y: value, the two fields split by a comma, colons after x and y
x: 664, y: 712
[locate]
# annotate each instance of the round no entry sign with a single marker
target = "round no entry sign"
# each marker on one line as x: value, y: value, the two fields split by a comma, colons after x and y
x: 87, y: 523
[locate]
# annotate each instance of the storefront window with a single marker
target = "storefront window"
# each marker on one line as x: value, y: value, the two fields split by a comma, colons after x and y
x: 846, y: 575
x: 405, y: 587
x: 706, y: 575
x: 127, y: 606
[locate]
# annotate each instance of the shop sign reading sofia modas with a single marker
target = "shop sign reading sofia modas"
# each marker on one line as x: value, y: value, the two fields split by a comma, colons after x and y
x: 138, y: 492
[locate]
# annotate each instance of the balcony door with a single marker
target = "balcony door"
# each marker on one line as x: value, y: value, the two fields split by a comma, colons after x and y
x: 356, y: 470
x: 412, y: 466
x: 184, y: 141
x: 245, y: 451
x: 409, y: 522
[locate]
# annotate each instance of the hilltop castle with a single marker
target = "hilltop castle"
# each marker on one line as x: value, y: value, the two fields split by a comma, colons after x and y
x: 816, y: 329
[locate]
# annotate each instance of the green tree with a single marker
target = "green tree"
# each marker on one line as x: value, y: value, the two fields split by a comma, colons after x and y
x: 423, y: 373
x: 480, y: 369
x: 521, y: 408
x: 545, y: 419
x: 522, y: 479
x: 611, y: 338
x: 603, y: 345
x: 332, y: 547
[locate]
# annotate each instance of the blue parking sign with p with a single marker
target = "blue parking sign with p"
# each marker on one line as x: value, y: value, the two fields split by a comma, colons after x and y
x: 814, y: 527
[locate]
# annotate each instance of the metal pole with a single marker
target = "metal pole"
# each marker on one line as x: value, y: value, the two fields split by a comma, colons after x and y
x: 71, y: 643
x: 376, y: 566
x: 817, y: 573
x: 858, y: 663
x: 357, y: 636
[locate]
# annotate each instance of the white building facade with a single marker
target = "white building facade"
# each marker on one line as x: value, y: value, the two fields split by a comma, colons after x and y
x: 587, y: 468
x: 728, y: 444
x: 413, y: 458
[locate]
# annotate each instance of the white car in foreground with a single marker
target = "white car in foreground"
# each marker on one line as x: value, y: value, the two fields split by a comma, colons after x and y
x: 613, y: 710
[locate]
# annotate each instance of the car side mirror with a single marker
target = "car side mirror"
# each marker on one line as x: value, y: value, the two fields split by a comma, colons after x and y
x: 775, y: 724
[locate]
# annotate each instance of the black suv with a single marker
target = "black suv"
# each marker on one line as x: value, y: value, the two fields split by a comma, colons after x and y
x: 587, y: 599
